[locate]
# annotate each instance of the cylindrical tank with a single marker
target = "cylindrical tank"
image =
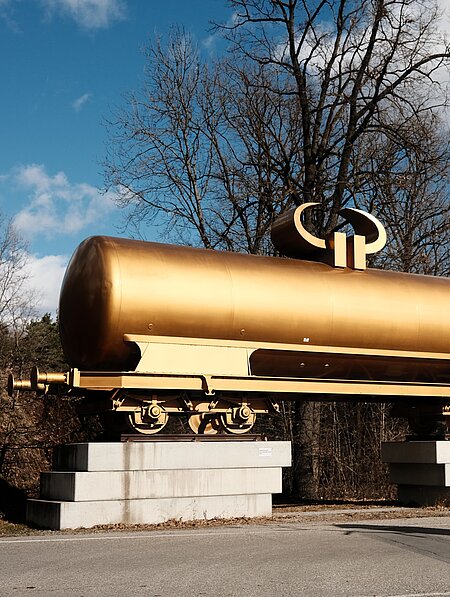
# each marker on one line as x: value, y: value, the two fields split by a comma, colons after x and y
x: 117, y: 286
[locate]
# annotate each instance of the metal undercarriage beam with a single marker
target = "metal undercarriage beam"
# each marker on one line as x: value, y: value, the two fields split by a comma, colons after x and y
x: 210, y: 385
x: 224, y: 384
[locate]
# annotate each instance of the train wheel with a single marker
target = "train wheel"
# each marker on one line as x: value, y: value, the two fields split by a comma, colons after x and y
x: 148, y: 420
x: 205, y: 423
x: 238, y: 421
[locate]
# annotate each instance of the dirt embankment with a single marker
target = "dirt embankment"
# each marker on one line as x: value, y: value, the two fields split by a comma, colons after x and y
x: 285, y: 514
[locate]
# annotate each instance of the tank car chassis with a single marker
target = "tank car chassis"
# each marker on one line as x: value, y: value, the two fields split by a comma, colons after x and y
x: 221, y: 385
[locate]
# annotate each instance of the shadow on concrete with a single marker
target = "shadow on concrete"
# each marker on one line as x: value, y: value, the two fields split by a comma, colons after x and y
x: 12, y: 503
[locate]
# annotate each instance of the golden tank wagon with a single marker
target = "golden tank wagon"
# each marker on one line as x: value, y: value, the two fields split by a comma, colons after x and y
x: 154, y: 330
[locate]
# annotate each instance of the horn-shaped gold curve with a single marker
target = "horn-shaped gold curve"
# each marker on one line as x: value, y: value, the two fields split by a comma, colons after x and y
x: 291, y: 238
x: 366, y: 225
x: 319, y: 243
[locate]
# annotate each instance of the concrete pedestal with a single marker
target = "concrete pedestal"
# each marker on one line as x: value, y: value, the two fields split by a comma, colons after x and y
x: 152, y: 482
x: 420, y: 469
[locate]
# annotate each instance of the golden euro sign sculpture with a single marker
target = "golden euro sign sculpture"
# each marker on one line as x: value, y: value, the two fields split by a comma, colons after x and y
x: 291, y: 238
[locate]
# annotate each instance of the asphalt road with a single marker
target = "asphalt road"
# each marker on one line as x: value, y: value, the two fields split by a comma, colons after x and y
x: 403, y: 557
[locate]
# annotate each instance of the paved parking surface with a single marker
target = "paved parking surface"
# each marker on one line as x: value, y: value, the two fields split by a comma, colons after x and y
x: 402, y: 557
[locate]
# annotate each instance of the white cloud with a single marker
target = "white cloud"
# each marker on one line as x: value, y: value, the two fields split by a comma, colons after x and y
x: 7, y: 14
x: 209, y: 42
x: 45, y: 278
x: 88, y: 14
x: 80, y: 101
x: 57, y: 207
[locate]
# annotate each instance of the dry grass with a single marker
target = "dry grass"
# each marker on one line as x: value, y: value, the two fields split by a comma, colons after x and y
x: 314, y: 513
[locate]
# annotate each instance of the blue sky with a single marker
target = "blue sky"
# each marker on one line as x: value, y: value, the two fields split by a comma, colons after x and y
x: 64, y: 67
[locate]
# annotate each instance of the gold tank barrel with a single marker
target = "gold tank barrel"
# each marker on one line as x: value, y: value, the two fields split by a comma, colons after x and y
x: 117, y: 286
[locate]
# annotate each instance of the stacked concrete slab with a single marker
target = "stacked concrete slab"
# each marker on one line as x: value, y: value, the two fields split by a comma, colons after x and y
x: 421, y: 469
x: 151, y: 482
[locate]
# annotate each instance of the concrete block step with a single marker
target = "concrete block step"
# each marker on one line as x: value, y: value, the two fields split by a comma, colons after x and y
x: 116, y: 456
x: 130, y: 485
x: 71, y: 515
x: 431, y: 452
x: 420, y: 474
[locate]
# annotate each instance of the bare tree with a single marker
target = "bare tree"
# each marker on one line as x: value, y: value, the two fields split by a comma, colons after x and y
x: 406, y: 182
x: 204, y: 148
x: 16, y: 300
x: 16, y: 307
x: 351, y: 65
x: 220, y: 149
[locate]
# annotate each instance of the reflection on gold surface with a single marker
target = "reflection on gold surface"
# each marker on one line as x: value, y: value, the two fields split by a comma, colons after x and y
x: 116, y: 286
